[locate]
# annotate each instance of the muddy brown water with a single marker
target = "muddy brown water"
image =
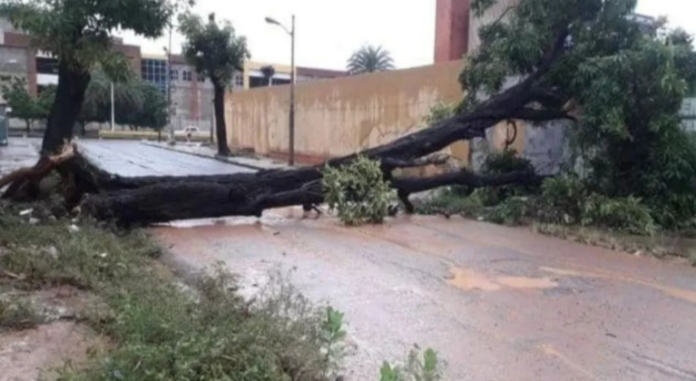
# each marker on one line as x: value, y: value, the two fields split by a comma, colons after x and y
x: 496, y: 303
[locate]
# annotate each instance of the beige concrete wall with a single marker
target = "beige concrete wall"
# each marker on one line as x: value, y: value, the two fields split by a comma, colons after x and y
x: 341, y: 116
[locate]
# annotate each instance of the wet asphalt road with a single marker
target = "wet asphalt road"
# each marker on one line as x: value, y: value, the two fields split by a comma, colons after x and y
x: 497, y: 303
x: 134, y: 159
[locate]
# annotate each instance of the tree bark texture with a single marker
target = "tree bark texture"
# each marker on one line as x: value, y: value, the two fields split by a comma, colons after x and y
x: 220, y: 125
x: 72, y: 85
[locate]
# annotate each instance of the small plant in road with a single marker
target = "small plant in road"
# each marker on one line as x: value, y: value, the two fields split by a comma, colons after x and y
x: 417, y: 368
x: 358, y: 192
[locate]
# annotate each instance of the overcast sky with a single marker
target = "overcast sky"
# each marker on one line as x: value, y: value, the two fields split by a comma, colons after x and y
x: 328, y: 31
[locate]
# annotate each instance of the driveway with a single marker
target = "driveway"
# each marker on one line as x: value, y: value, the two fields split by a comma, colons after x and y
x: 497, y: 303
x: 134, y: 159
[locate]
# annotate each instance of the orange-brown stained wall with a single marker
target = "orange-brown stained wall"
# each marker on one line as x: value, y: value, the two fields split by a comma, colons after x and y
x: 342, y: 116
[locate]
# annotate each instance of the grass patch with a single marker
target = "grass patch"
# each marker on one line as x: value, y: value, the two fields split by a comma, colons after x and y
x: 161, y: 329
x: 17, y: 314
x: 659, y: 245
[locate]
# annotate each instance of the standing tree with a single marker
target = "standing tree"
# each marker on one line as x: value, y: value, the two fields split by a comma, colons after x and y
x: 79, y: 34
x: 216, y: 52
x: 153, y: 113
x: 268, y: 73
x: 370, y: 59
x: 24, y: 105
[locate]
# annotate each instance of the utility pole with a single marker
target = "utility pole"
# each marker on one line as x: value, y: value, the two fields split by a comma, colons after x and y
x: 172, y: 136
x: 291, y: 32
x: 291, y: 160
x: 113, y: 109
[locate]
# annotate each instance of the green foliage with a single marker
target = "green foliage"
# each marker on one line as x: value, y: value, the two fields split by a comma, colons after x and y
x: 417, y: 368
x: 451, y: 201
x: 370, y: 59
x: 440, y: 112
x: 334, y: 336
x: 358, y: 191
x: 563, y: 199
x: 626, y: 78
x: 506, y: 161
x: 24, y: 105
x: 512, y: 211
x: 216, y: 52
x: 136, y: 103
x: 623, y: 214
x: 79, y: 32
x: 500, y: 163
x: 566, y: 200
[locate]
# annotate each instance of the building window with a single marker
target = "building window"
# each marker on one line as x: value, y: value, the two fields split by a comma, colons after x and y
x: 174, y: 75
x: 186, y: 75
x: 46, y: 65
x: 155, y: 72
x: 238, y: 80
x: 201, y: 78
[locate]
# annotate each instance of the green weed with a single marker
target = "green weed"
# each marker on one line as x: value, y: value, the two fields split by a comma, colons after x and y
x: 17, y: 314
x: 417, y: 368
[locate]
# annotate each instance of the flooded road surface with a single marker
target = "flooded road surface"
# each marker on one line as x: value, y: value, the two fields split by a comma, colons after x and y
x: 497, y: 303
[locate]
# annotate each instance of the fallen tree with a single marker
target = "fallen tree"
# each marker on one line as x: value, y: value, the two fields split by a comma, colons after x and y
x: 552, y: 58
x: 158, y: 199
x: 148, y: 200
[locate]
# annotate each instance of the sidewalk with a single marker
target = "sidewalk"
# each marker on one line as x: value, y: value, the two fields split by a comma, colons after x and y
x: 20, y: 153
x: 200, y: 150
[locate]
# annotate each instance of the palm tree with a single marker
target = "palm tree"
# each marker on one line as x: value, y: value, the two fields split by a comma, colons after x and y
x: 370, y: 59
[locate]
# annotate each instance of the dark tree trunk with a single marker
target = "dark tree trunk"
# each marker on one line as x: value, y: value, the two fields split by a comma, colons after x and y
x: 28, y: 126
x: 72, y: 84
x: 220, y: 125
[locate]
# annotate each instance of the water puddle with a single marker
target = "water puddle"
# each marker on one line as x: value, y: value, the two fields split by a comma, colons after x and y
x: 686, y: 295
x: 470, y: 280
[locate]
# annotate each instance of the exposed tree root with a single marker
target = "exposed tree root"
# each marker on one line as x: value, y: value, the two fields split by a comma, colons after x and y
x: 24, y: 183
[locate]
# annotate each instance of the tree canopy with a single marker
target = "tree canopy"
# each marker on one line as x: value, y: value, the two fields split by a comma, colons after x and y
x: 79, y: 34
x: 624, y: 78
x: 369, y: 59
x: 136, y: 103
x: 24, y: 105
x: 215, y: 51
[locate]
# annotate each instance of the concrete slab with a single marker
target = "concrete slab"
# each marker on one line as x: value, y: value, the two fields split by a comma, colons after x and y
x: 134, y: 159
x: 197, y: 149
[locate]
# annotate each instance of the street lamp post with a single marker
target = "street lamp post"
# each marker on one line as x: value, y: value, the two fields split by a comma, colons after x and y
x: 172, y: 137
x: 291, y: 32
